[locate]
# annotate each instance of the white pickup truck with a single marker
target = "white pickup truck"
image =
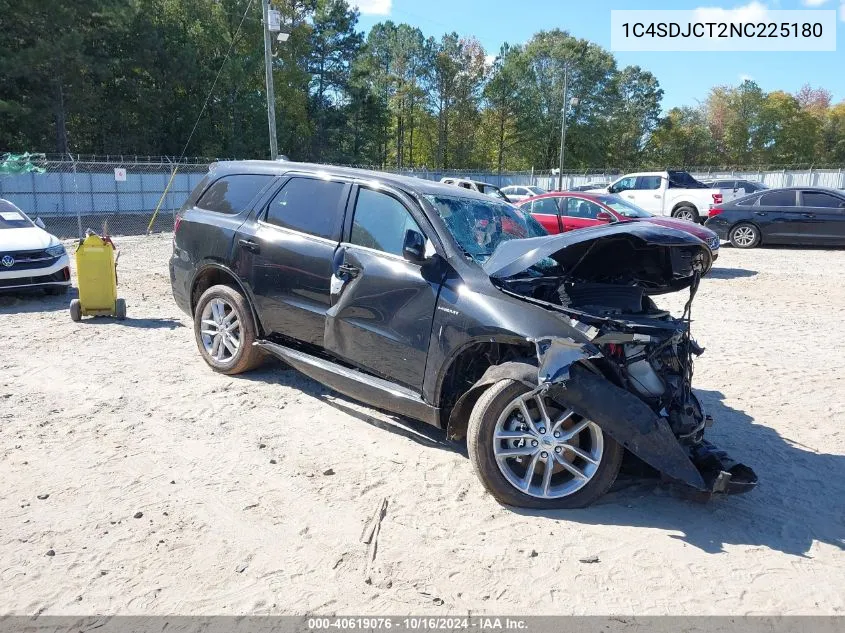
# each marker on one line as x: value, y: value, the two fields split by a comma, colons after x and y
x: 673, y: 193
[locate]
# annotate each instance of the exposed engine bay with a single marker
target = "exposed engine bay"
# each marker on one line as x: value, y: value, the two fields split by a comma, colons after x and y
x: 605, y: 289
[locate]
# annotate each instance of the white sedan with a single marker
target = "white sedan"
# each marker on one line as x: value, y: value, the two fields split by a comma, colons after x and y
x: 518, y: 193
x: 29, y: 256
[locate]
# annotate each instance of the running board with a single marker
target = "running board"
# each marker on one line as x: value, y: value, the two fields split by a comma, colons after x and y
x: 371, y: 390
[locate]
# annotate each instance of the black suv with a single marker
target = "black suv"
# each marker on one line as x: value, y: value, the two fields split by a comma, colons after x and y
x: 448, y: 306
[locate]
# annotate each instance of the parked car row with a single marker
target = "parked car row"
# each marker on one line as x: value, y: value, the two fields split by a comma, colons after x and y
x: 567, y: 211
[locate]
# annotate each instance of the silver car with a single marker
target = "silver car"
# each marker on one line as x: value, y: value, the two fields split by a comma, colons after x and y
x: 517, y: 193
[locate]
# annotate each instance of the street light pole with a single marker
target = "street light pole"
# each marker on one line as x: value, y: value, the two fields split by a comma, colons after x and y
x: 268, y: 78
x: 563, y: 128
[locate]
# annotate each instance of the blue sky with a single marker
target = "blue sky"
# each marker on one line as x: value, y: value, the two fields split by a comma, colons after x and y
x: 685, y: 77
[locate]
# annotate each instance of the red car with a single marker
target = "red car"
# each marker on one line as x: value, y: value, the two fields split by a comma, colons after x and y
x: 568, y: 211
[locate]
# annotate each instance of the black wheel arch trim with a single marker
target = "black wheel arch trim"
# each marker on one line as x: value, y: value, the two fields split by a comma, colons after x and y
x: 241, y: 286
x: 519, y: 371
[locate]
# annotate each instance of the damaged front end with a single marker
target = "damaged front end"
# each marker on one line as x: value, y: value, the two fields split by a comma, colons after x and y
x: 634, y: 378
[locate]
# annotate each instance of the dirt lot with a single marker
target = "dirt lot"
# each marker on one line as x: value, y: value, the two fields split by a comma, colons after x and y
x: 251, y: 493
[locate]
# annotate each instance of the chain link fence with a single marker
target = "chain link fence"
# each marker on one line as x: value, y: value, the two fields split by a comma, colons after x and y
x: 110, y: 195
x: 123, y: 195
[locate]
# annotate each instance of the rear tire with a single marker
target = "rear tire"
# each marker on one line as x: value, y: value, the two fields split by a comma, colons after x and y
x: 225, y: 331
x: 120, y: 309
x: 688, y: 213
x: 744, y: 236
x: 486, y: 453
x: 75, y: 310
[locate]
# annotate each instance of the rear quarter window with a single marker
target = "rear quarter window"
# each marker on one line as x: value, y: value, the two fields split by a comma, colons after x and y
x: 748, y: 201
x: 309, y: 205
x: 233, y: 194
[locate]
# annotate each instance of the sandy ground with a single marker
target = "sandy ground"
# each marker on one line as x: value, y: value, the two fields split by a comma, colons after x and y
x: 101, y: 422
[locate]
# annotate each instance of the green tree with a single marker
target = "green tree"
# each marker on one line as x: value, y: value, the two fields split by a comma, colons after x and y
x: 334, y: 44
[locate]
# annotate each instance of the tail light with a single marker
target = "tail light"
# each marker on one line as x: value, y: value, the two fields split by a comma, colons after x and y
x: 714, y: 212
x: 717, y: 198
x: 176, y: 222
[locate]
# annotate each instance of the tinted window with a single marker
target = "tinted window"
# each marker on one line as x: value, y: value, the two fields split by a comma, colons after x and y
x: 308, y: 205
x: 578, y: 208
x: 232, y: 194
x: 747, y: 202
x: 546, y: 206
x: 380, y: 222
x: 648, y: 182
x: 819, y: 199
x: 625, y: 184
x: 778, y: 199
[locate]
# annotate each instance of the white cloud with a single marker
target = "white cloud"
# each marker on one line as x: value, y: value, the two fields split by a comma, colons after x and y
x: 751, y: 12
x: 814, y: 3
x: 373, y: 7
x: 489, y: 59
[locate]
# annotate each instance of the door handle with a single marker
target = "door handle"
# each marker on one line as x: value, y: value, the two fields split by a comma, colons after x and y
x: 809, y: 215
x: 760, y: 213
x: 346, y: 269
x: 249, y: 245
x: 657, y: 195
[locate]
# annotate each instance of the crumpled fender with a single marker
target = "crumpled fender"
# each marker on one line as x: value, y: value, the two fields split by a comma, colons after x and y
x: 556, y: 356
x: 629, y: 421
x: 523, y: 372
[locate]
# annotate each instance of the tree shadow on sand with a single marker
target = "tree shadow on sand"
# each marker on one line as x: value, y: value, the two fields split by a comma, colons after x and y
x: 34, y: 300
x: 275, y: 371
x: 730, y: 273
x: 798, y: 501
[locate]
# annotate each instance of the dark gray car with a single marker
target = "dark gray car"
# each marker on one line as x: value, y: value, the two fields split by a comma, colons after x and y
x: 546, y: 352
x: 809, y: 216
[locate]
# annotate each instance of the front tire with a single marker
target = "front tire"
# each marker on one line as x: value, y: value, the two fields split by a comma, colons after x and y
x: 744, y: 236
x: 530, y: 453
x: 225, y: 332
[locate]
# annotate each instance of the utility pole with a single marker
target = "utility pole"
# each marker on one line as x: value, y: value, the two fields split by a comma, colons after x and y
x: 563, y: 128
x: 268, y: 77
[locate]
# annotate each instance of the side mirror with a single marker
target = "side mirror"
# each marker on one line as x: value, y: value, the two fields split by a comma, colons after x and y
x: 604, y: 216
x: 39, y: 223
x: 611, y: 189
x: 413, y: 248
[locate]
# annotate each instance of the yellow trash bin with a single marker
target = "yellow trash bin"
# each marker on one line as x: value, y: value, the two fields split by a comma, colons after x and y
x: 96, y: 273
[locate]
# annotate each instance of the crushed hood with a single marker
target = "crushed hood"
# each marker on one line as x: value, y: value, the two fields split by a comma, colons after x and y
x: 656, y: 258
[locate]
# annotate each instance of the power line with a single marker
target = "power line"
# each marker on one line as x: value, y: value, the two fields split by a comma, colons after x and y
x: 219, y: 72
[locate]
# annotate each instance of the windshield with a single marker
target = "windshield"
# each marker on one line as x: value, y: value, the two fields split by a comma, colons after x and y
x: 479, y: 226
x: 536, y: 190
x: 624, y: 208
x: 11, y: 217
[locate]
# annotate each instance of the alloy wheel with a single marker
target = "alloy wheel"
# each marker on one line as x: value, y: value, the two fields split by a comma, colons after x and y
x: 543, y: 451
x: 221, y: 330
x: 744, y: 236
